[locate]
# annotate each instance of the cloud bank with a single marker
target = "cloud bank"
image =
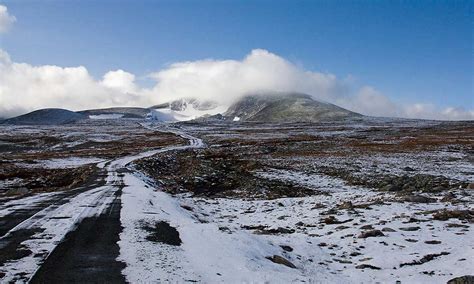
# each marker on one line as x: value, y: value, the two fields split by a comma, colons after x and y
x: 24, y: 87
x: 6, y: 20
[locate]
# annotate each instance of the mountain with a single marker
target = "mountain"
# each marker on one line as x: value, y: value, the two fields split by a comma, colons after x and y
x: 185, y: 103
x: 288, y: 107
x: 185, y: 109
x: 48, y: 116
x: 272, y: 107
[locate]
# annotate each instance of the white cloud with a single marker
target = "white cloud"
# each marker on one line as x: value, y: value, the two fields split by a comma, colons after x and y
x: 227, y: 80
x: 371, y: 102
x: 6, y: 20
x: 24, y: 87
x: 120, y: 80
x: 430, y: 111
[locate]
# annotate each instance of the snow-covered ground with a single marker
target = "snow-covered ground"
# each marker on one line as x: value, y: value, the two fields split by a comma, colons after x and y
x: 222, y: 242
x: 61, y: 163
x: 312, y: 239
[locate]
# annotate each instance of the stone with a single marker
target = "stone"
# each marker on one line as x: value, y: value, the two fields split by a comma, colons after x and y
x: 371, y: 233
x: 418, y: 199
x: 387, y: 229
x: 286, y: 248
x: 467, y: 279
x: 367, y: 266
x: 281, y: 260
x: 410, y: 229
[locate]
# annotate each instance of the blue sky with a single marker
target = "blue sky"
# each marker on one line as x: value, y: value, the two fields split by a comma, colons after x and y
x: 411, y: 51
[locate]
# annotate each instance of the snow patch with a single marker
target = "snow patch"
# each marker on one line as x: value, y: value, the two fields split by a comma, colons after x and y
x: 106, y: 116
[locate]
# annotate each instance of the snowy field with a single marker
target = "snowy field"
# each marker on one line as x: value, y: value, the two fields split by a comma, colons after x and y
x: 131, y: 201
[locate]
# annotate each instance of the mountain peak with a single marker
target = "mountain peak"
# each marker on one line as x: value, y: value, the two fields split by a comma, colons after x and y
x: 286, y: 107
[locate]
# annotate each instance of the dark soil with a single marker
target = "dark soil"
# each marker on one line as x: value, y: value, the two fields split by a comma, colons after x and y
x: 162, y: 232
x: 10, y: 248
x: 215, y: 173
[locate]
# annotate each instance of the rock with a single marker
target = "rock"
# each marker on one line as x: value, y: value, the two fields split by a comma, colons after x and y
x: 346, y: 205
x: 424, y: 259
x: 279, y: 230
x: 284, y: 230
x: 17, y: 191
x: 225, y: 229
x: 286, y: 248
x: 413, y: 220
x: 435, y: 189
x: 387, y: 229
x: 365, y: 266
x: 433, y: 242
x: 418, y: 199
x: 281, y: 260
x: 371, y: 233
x: 367, y: 227
x: 342, y: 227
x: 409, y: 229
x: 186, y: 207
x: 392, y: 188
x: 408, y: 169
x: 471, y: 186
x: 467, y: 279
x: 318, y: 206
x: 344, y: 261
x: 444, y: 215
x: 454, y: 225
x: 331, y: 220
x: 448, y: 197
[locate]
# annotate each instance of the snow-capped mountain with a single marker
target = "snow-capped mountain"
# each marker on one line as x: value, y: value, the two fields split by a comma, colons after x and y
x: 185, y: 109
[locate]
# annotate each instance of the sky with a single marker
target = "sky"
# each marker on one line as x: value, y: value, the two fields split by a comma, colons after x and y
x: 385, y: 58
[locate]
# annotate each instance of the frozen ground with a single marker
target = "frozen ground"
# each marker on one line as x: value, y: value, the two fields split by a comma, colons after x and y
x: 378, y: 202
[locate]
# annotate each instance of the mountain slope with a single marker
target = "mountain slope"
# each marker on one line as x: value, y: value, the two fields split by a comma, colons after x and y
x: 48, y: 116
x: 117, y: 112
x: 290, y: 107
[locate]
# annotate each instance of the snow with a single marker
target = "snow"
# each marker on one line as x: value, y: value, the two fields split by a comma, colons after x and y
x: 317, y: 262
x: 236, y: 118
x: 190, y: 113
x: 24, y: 203
x: 236, y: 255
x: 216, y: 247
x: 61, y: 163
x: 207, y: 253
x: 106, y: 116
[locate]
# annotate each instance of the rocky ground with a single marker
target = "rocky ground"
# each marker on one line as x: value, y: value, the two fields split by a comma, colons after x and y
x: 37, y: 159
x: 362, y: 202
